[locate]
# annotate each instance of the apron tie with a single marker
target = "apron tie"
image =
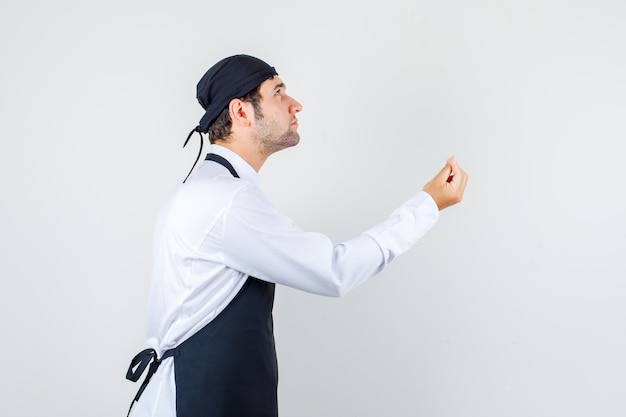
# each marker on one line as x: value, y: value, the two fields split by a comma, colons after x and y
x: 216, y: 158
x: 138, y: 366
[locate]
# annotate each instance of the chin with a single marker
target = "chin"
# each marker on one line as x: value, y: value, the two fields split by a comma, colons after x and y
x: 290, y: 139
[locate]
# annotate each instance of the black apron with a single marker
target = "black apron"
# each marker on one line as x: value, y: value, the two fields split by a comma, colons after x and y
x: 229, y: 367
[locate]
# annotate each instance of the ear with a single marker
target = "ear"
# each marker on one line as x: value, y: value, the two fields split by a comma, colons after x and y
x: 241, y: 112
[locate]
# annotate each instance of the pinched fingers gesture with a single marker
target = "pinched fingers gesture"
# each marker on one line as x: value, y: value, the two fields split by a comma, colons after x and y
x: 448, y: 186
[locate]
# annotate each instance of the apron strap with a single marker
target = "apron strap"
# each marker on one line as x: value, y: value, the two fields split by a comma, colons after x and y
x: 138, y: 366
x: 223, y: 162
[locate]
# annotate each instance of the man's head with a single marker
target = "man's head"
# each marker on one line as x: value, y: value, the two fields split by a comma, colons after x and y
x: 247, y: 108
x: 237, y: 76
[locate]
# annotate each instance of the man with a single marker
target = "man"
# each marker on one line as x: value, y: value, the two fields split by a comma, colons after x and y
x: 220, y: 246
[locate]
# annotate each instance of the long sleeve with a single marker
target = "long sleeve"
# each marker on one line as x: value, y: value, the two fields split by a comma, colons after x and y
x: 259, y: 241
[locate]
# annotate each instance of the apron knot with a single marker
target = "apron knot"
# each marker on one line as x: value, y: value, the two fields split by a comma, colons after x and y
x: 138, y: 366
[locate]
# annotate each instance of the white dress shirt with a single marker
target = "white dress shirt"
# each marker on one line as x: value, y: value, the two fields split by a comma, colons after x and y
x: 216, y: 230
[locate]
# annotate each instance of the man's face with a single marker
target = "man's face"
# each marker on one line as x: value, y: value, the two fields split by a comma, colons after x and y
x: 278, y: 127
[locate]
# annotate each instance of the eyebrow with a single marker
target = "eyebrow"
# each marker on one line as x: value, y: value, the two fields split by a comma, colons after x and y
x: 279, y: 85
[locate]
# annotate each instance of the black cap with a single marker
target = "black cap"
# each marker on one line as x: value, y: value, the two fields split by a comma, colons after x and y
x: 230, y: 78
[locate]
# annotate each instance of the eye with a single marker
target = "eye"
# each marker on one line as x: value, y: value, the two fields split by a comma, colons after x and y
x: 278, y: 92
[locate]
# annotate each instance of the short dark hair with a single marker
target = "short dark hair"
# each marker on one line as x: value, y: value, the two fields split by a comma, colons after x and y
x: 221, y: 128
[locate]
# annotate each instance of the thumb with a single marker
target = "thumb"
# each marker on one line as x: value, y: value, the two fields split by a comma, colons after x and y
x: 445, y: 173
x: 454, y: 165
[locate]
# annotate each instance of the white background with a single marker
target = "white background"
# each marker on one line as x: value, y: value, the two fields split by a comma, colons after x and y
x: 513, y: 305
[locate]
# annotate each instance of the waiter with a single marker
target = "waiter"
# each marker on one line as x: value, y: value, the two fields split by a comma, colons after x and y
x: 220, y: 246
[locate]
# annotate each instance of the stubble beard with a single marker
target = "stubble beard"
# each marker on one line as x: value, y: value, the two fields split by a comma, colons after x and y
x: 270, y: 141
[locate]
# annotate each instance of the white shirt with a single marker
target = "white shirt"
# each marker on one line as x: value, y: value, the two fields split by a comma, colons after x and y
x: 216, y: 230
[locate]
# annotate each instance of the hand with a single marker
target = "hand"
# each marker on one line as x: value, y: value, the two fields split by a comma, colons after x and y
x: 448, y: 185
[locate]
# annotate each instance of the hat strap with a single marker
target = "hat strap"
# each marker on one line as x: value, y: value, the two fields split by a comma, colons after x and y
x: 195, y: 129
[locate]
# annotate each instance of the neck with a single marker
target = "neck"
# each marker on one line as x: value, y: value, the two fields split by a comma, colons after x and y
x: 253, y: 157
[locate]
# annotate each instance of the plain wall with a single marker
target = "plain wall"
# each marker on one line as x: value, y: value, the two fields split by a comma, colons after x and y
x: 513, y: 305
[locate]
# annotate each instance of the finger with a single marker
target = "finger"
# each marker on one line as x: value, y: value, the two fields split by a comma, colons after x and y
x: 444, y: 174
x: 459, y: 177
x: 454, y: 168
x: 454, y: 165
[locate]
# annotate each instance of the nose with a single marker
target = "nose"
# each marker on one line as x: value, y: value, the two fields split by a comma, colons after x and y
x: 296, y: 107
